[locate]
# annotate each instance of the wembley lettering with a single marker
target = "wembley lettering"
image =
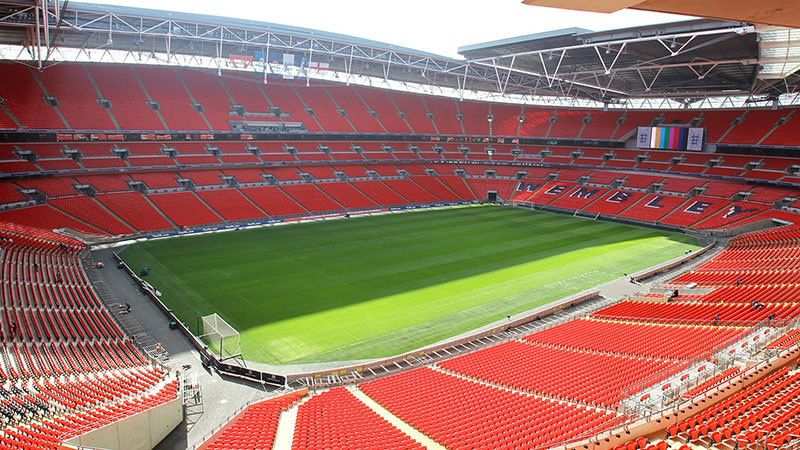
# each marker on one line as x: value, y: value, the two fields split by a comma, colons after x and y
x: 698, y: 207
x: 557, y: 189
x: 655, y: 202
x: 619, y: 197
x: 583, y: 192
x: 530, y: 187
x: 736, y: 210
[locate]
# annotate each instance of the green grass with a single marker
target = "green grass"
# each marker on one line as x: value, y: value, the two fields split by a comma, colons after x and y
x: 377, y: 286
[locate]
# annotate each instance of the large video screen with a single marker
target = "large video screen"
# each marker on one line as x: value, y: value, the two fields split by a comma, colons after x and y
x: 671, y: 138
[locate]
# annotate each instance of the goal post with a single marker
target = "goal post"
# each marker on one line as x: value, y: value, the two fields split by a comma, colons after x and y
x: 220, y: 336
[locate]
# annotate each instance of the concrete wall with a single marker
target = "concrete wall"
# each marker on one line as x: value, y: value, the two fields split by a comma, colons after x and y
x: 141, y: 431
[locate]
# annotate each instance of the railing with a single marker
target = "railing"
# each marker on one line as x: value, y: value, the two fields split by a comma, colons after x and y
x: 643, y: 385
x: 270, y: 395
x: 208, y: 358
x: 109, y: 419
x: 140, y: 338
x: 753, y: 353
x: 453, y: 348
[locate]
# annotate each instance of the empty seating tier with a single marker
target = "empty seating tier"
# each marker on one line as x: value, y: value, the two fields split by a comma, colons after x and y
x: 660, y: 341
x: 337, y: 419
x: 583, y: 376
x: 459, y: 413
x: 254, y: 428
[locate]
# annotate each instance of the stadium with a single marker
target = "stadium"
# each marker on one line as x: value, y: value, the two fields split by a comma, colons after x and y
x: 218, y: 233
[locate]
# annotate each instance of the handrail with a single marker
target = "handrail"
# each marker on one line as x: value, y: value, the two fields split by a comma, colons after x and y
x: 643, y: 412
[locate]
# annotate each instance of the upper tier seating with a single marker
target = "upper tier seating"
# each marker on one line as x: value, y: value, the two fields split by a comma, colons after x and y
x: 350, y: 101
x: 379, y: 101
x: 120, y: 86
x: 445, y: 115
x: 206, y: 90
x: 24, y: 99
x: 175, y: 90
x: 414, y: 109
x: 756, y: 124
x: 71, y: 85
x: 324, y: 108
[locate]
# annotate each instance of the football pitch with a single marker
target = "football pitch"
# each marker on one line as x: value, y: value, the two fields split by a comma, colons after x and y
x: 378, y: 286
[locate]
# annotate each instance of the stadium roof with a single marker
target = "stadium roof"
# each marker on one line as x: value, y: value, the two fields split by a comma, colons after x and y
x: 685, y: 61
x: 768, y: 12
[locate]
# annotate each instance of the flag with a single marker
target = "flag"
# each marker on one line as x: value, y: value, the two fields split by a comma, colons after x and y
x: 318, y: 65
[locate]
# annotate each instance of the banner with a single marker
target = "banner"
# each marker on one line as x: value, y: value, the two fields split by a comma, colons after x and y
x: 695, y: 140
x: 670, y: 138
x: 318, y: 65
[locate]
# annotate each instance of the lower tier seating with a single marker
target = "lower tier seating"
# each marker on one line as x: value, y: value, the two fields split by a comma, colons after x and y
x: 133, y: 208
x: 459, y: 413
x: 663, y: 341
x: 231, y: 204
x: 766, y: 411
x: 274, y: 201
x: 311, y: 197
x: 254, y: 428
x: 337, y: 419
x: 346, y: 195
x: 66, y: 367
x: 583, y: 376
x: 697, y: 312
x: 184, y: 208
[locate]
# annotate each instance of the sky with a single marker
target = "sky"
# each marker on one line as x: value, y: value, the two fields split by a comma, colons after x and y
x: 434, y: 26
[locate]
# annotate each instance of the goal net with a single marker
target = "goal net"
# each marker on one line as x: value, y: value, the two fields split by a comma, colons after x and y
x: 220, y: 337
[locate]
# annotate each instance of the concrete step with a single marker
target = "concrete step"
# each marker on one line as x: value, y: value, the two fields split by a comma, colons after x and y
x: 284, y: 434
x: 412, y: 432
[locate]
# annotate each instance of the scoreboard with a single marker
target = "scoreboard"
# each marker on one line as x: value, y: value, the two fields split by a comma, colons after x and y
x: 671, y: 138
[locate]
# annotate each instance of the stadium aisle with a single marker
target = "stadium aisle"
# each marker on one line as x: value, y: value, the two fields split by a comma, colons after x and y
x: 286, y: 425
x: 392, y: 419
